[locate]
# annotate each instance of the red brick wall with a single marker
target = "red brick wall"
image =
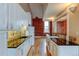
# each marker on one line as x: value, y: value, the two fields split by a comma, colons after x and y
x: 51, y: 27
x: 39, y: 26
x: 62, y: 27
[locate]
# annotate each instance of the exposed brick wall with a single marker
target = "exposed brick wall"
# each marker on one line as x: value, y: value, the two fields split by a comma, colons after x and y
x: 62, y: 27
x: 39, y: 26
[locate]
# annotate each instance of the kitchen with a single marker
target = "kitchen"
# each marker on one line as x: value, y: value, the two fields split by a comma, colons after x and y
x: 41, y: 29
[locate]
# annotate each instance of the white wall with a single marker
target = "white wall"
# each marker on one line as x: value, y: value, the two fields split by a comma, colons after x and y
x: 11, y: 16
x: 54, y: 27
x: 74, y: 24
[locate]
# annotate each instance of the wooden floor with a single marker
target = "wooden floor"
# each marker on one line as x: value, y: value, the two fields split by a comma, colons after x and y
x: 37, y: 48
x: 35, y: 51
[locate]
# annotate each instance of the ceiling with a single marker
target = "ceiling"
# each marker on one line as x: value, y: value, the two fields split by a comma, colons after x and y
x: 54, y: 9
x: 25, y: 6
x: 36, y: 9
x: 43, y: 10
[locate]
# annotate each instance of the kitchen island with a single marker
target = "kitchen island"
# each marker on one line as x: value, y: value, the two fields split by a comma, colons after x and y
x: 19, y: 47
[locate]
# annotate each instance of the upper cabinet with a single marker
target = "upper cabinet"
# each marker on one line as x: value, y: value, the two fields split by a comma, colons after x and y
x: 12, y: 16
x: 17, y: 16
x: 3, y: 16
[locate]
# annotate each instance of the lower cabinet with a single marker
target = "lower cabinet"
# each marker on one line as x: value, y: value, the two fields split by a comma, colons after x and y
x: 19, y: 52
x: 68, y: 50
x: 11, y: 52
x: 23, y: 49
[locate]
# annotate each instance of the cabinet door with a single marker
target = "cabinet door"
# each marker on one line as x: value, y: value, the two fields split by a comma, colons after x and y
x: 31, y: 32
x: 19, y: 51
x: 3, y: 27
x: 68, y: 51
x: 11, y: 52
x: 25, y: 47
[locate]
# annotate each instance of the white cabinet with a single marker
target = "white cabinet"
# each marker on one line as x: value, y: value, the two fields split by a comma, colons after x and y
x: 23, y: 49
x: 3, y: 16
x: 68, y: 51
x: 3, y: 27
x: 19, y: 51
x: 17, y: 16
x: 31, y: 32
x: 11, y: 51
x: 12, y: 16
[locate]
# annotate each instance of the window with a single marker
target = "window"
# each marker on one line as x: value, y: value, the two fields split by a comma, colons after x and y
x: 46, y: 26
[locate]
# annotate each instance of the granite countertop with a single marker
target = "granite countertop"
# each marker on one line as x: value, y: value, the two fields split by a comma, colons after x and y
x: 62, y: 42
x: 17, y: 42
